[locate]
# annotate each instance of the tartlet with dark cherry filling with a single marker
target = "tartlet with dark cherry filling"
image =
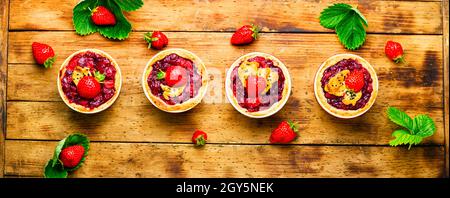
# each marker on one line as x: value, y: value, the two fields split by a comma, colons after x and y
x: 346, y: 86
x: 89, y: 81
x: 258, y: 85
x: 175, y: 80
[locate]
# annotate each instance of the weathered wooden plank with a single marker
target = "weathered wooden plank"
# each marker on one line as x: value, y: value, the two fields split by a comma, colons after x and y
x: 27, y: 158
x: 132, y: 118
x: 221, y: 15
x: 446, y: 80
x: 4, y: 13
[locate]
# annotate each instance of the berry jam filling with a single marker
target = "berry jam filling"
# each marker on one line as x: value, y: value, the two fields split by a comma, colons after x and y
x: 347, y: 64
x: 96, y: 63
x: 263, y: 101
x: 193, y: 82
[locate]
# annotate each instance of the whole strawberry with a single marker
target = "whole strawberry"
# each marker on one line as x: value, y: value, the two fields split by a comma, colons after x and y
x: 355, y: 80
x: 285, y: 132
x: 394, y: 51
x: 43, y: 54
x: 156, y: 40
x: 71, y: 156
x: 199, y: 138
x: 102, y: 16
x: 245, y: 35
x: 88, y: 87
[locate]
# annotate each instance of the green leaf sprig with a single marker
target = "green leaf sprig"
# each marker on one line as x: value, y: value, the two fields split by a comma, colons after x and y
x: 414, y: 130
x: 54, y: 167
x: 348, y: 22
x: 120, y: 31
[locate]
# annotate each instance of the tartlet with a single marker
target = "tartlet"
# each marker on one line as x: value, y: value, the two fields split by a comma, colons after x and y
x: 258, y: 85
x: 84, y: 63
x: 175, y: 95
x: 335, y: 82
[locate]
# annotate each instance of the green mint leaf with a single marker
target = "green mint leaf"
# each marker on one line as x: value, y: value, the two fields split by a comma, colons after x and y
x: 425, y: 126
x: 129, y: 5
x: 82, y: 17
x: 351, y: 32
x: 56, y: 171
x: 330, y: 17
x: 122, y: 29
x: 401, y: 118
x: 99, y: 76
x: 403, y: 137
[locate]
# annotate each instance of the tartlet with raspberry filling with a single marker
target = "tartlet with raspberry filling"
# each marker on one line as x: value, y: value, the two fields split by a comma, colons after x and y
x: 346, y: 86
x: 175, y: 80
x: 89, y: 81
x: 258, y: 85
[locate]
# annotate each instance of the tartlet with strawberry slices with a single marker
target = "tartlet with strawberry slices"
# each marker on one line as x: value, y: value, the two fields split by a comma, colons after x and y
x: 346, y: 86
x: 175, y: 80
x: 89, y: 81
x: 258, y: 85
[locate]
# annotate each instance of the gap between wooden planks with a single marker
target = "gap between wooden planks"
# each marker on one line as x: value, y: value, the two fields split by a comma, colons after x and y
x: 132, y: 118
x: 411, y: 17
x: 27, y: 158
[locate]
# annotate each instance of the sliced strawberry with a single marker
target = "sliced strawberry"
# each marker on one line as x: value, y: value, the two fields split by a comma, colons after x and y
x: 109, y: 84
x: 255, y: 85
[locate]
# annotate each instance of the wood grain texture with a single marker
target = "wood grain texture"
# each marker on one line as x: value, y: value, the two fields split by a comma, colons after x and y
x: 4, y: 13
x: 445, y: 10
x: 133, y: 118
x: 27, y: 158
x: 221, y: 15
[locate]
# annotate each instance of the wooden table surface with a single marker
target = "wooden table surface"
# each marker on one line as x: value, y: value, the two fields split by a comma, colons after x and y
x: 134, y: 139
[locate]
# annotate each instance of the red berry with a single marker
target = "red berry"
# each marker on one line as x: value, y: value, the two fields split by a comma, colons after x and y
x: 199, y: 138
x: 156, y: 40
x: 102, y: 16
x: 176, y: 76
x: 355, y: 80
x: 88, y: 87
x: 245, y: 35
x: 43, y: 54
x: 255, y: 85
x: 71, y: 156
x: 109, y: 84
x: 284, y: 133
x: 394, y: 51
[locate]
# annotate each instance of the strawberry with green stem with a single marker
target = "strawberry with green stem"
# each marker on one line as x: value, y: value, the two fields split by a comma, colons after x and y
x: 43, y: 54
x: 156, y: 40
x: 199, y: 138
x: 285, y: 132
x: 245, y: 35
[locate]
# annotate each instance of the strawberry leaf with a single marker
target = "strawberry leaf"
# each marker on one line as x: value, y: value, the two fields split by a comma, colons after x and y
x: 129, y: 5
x: 160, y: 75
x: 330, y: 17
x: 49, y: 62
x: 82, y: 17
x: 351, y: 32
x: 401, y: 118
x: 424, y: 126
x: 54, y: 171
x: 122, y: 28
x: 403, y: 137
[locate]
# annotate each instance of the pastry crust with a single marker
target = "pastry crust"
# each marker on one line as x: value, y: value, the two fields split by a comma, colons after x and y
x: 276, y: 106
x: 187, y: 105
x: 80, y: 108
x: 320, y: 95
